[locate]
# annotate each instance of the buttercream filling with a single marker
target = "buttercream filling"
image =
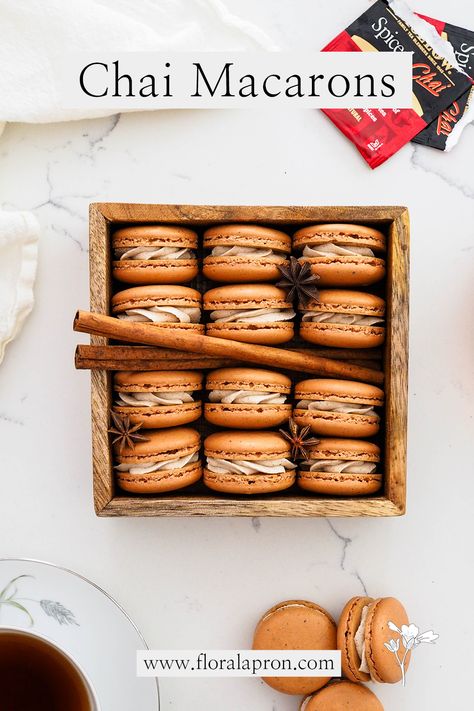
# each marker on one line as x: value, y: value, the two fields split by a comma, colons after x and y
x: 165, y: 465
x: 341, y: 318
x: 252, y: 315
x: 359, y: 641
x: 333, y: 406
x: 329, y: 248
x: 251, y: 252
x: 246, y: 397
x: 163, y: 314
x: 244, y: 466
x: 340, y: 466
x: 151, y: 399
x: 155, y: 253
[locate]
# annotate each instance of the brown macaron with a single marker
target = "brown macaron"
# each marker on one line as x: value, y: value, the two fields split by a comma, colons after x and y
x: 344, y: 319
x: 341, y: 254
x: 342, y: 695
x: 158, y: 398
x: 247, y: 398
x: 341, y: 467
x: 252, y: 313
x: 245, y: 253
x: 338, y: 408
x: 247, y: 462
x: 295, y: 625
x: 167, y: 461
x: 167, y: 306
x: 154, y: 254
x: 362, y: 633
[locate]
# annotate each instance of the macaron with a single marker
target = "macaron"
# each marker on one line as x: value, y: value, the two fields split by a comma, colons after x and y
x: 295, y: 625
x: 164, y: 305
x: 362, y: 634
x: 344, y: 319
x: 154, y: 254
x: 245, y: 253
x: 341, y: 467
x: 167, y: 461
x: 247, y: 398
x: 342, y: 254
x: 342, y: 696
x: 252, y: 313
x: 338, y: 408
x: 157, y: 398
x: 247, y: 462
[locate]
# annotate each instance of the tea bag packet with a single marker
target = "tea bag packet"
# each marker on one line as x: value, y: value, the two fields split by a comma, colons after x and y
x: 438, y: 80
x: 445, y: 131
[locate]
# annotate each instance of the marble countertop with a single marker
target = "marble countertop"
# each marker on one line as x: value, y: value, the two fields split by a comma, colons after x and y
x: 204, y: 583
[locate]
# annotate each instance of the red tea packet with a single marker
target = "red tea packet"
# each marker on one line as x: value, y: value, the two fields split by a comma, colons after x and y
x: 437, y: 81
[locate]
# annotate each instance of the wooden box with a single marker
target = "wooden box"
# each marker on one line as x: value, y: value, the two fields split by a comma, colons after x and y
x: 394, y: 221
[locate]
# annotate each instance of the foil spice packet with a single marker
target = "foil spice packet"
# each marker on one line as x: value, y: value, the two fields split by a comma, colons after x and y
x: 438, y: 81
x: 445, y: 131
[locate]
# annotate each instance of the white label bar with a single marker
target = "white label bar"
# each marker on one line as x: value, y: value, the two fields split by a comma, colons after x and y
x: 206, y: 80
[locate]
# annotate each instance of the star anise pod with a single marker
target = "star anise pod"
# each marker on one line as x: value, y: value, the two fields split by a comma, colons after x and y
x: 299, y: 440
x: 126, y: 433
x: 299, y: 279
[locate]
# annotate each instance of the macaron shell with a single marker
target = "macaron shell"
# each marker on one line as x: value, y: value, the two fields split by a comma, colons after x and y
x: 154, y: 235
x: 248, y: 296
x: 252, y: 446
x: 382, y: 663
x: 347, y: 627
x: 239, y: 268
x: 346, y: 271
x: 248, y: 379
x: 246, y: 416
x: 245, y: 484
x: 339, y: 448
x: 155, y: 271
x: 156, y: 295
x: 245, y: 235
x: 342, y: 336
x: 162, y: 416
x: 271, y: 334
x: 330, y: 484
x: 129, y: 381
x: 342, y: 696
x: 337, y: 424
x: 349, y: 391
x: 161, y: 481
x: 294, y: 625
x: 348, y: 301
x: 161, y: 445
x: 344, y: 233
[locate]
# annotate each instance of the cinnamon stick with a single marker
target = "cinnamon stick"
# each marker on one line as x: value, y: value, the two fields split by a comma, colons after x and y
x: 142, y: 358
x: 186, y: 340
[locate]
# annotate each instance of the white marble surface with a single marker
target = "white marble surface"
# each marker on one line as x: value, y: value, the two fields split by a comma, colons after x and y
x: 203, y: 583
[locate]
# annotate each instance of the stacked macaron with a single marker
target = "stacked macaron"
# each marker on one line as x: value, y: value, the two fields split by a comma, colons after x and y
x: 162, y: 305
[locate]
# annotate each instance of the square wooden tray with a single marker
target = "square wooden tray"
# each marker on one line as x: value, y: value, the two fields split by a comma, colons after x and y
x: 394, y: 221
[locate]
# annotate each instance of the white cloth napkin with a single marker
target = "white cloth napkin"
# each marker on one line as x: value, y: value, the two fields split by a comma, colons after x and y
x: 19, y: 233
x: 36, y: 34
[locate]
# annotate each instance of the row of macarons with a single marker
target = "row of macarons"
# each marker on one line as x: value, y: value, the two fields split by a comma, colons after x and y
x: 248, y: 398
x: 345, y: 255
x: 363, y: 635
x: 259, y: 313
x: 246, y: 462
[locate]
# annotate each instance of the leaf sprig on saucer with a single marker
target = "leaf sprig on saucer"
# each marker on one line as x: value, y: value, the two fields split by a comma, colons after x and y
x: 299, y: 280
x: 299, y: 440
x: 125, y: 433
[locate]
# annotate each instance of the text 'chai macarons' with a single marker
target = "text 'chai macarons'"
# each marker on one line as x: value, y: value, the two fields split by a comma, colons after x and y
x: 344, y: 319
x: 167, y: 461
x: 362, y: 633
x: 163, y: 305
x: 157, y: 399
x: 245, y: 253
x: 341, y: 467
x: 295, y: 625
x: 342, y: 255
x: 154, y: 254
x: 342, y: 695
x: 247, y: 462
x: 247, y: 398
x: 252, y: 313
x: 338, y: 408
